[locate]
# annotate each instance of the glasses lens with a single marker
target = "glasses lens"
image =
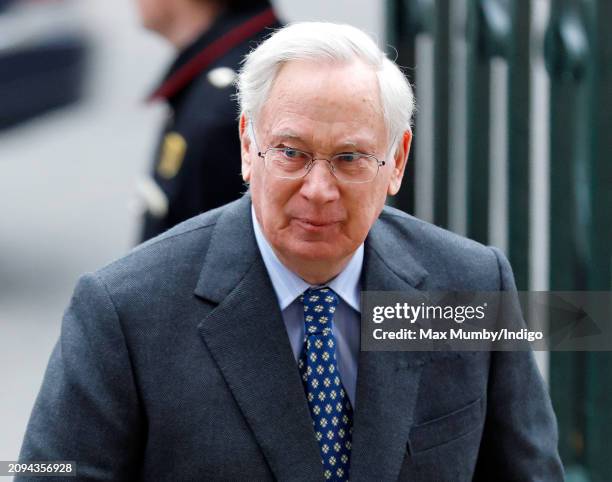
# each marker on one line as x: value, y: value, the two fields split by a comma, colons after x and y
x: 355, y: 167
x: 287, y: 163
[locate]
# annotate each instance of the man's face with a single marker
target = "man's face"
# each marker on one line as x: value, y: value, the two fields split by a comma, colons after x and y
x: 323, y: 109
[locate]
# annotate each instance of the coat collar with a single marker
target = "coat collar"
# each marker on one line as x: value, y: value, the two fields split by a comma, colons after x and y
x: 388, y: 263
x: 231, y: 253
x: 247, y: 338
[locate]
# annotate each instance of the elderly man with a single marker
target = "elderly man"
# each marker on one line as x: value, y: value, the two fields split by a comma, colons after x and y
x: 228, y: 348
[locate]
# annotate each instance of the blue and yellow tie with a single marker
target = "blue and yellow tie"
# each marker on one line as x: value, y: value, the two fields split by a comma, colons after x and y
x: 330, y: 407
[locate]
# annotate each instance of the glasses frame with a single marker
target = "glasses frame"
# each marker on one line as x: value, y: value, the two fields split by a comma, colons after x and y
x: 310, y: 164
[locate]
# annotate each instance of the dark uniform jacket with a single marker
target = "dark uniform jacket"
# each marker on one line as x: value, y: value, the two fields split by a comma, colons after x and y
x: 174, y: 364
x: 197, y: 164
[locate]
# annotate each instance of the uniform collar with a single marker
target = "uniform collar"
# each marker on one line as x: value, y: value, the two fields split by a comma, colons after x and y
x: 288, y: 286
x: 229, y: 29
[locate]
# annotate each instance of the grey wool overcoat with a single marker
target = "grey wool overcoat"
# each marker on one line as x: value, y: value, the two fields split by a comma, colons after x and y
x: 174, y: 364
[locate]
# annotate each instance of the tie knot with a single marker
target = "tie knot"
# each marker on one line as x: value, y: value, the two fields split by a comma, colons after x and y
x: 319, y: 308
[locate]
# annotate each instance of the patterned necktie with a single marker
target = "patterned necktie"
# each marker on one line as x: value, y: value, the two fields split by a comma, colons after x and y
x: 330, y: 408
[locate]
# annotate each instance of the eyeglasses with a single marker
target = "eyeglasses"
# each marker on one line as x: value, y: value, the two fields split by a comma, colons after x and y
x: 290, y: 163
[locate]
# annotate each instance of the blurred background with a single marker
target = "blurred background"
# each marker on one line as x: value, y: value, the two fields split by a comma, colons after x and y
x: 512, y: 148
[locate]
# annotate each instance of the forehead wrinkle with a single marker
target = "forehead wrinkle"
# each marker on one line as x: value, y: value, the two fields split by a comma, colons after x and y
x: 311, y: 139
x: 285, y: 134
x: 321, y: 122
x: 360, y: 100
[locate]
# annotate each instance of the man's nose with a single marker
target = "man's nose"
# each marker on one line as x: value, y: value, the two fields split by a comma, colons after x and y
x: 320, y: 185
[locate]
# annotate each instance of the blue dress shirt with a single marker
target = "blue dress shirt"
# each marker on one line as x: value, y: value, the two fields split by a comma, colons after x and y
x: 346, y: 325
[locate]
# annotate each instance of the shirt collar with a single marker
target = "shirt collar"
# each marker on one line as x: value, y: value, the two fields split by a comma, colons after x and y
x: 288, y: 285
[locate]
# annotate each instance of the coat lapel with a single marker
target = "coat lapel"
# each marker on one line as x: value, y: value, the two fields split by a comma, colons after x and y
x: 247, y: 338
x: 387, y: 382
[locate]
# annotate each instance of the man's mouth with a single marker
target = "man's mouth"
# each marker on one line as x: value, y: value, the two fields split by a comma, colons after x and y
x: 315, y: 224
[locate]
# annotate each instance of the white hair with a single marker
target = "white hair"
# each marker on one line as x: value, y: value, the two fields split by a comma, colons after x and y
x: 322, y: 41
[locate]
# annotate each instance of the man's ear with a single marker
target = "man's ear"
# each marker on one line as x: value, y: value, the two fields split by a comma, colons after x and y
x: 400, y: 158
x: 245, y: 146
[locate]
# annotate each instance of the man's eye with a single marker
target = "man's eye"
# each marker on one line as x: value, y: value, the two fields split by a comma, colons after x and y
x: 348, y: 157
x: 293, y: 154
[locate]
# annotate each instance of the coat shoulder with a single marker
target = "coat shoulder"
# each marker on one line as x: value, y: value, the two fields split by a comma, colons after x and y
x: 453, y: 262
x: 172, y: 258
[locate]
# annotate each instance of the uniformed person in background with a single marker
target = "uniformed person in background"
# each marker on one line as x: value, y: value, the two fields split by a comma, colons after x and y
x: 197, y: 164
